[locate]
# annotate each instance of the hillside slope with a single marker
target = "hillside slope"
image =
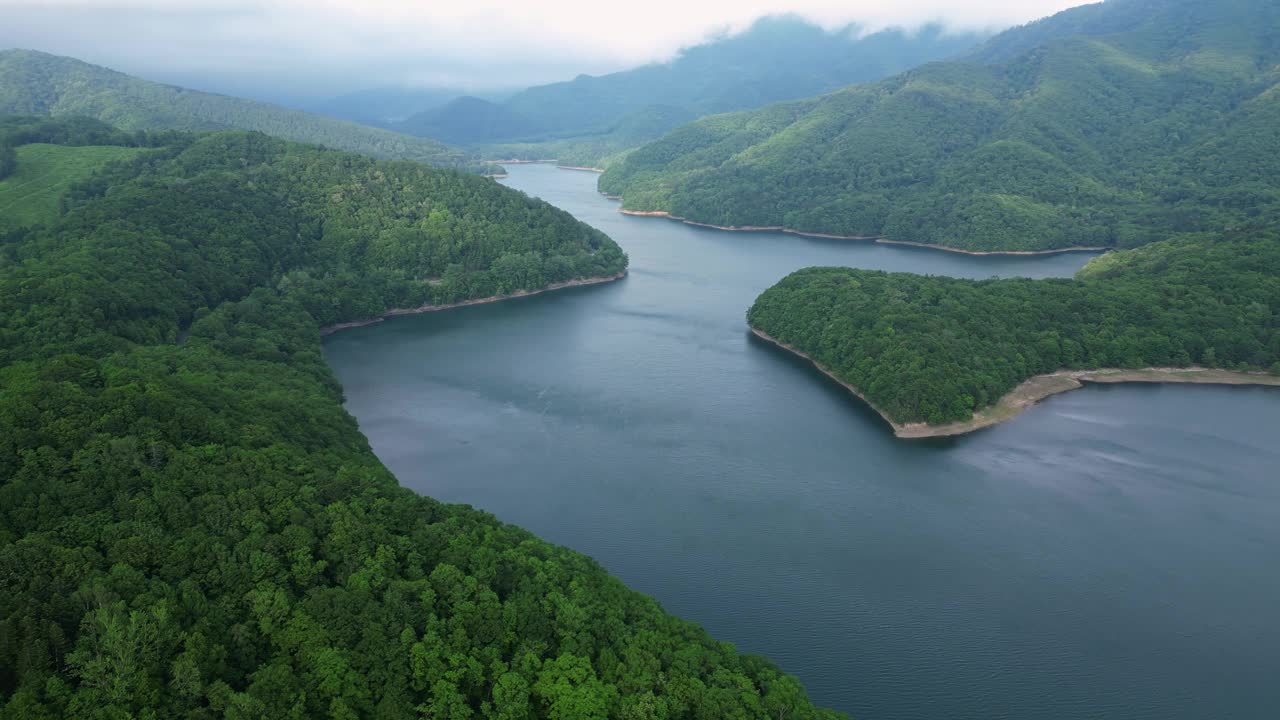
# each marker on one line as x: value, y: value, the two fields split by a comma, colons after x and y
x: 463, y: 119
x: 1105, y: 126
x: 192, y: 526
x: 778, y: 58
x: 35, y: 83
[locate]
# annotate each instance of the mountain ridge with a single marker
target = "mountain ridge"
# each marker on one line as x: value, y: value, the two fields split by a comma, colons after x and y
x: 1082, y: 140
x: 777, y: 58
x: 38, y: 83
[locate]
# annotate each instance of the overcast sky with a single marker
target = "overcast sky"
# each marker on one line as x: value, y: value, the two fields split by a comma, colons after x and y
x: 329, y: 46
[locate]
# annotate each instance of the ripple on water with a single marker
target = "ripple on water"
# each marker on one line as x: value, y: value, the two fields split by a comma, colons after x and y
x: 1106, y: 555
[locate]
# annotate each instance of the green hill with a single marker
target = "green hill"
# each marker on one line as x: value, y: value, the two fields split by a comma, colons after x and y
x: 589, y: 117
x: 463, y: 119
x: 380, y: 107
x: 936, y: 349
x: 43, y: 173
x: 35, y: 83
x: 192, y: 526
x: 1109, y: 125
x: 41, y: 158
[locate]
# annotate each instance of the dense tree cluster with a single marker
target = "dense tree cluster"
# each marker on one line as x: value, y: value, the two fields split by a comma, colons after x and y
x: 8, y: 160
x: 934, y: 349
x: 191, y: 526
x: 35, y: 83
x: 73, y: 131
x: 1109, y: 125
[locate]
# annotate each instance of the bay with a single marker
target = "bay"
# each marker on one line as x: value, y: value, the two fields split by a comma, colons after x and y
x: 1110, y: 553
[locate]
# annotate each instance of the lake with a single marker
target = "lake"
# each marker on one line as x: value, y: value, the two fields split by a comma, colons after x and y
x: 1111, y: 553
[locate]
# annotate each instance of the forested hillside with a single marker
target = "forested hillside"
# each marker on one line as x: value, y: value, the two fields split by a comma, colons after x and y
x: 586, y: 119
x: 41, y: 158
x: 192, y: 526
x: 35, y: 83
x: 935, y: 349
x: 381, y: 107
x: 1106, y: 126
x: 466, y: 119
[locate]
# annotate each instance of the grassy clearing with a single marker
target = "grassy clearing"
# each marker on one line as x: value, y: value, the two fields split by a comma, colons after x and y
x: 44, y: 173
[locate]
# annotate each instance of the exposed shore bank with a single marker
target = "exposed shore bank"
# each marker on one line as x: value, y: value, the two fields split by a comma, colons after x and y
x: 396, y: 312
x: 1040, y: 387
x: 827, y: 236
x: 545, y: 162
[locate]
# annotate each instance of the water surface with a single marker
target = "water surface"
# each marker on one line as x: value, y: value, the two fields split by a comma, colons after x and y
x: 1109, y: 554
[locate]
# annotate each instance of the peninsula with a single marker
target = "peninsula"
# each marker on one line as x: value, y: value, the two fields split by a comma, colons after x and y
x: 1037, y: 388
x: 943, y: 356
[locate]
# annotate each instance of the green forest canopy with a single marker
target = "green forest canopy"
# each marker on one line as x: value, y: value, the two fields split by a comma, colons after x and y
x: 1108, y: 125
x: 36, y: 83
x: 934, y: 349
x: 192, y: 526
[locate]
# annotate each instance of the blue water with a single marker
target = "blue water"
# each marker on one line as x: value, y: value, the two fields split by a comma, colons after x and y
x: 1109, y: 554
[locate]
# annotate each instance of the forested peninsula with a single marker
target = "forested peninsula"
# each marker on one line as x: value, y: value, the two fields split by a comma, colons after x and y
x: 1108, y: 125
x: 191, y: 526
x: 942, y: 356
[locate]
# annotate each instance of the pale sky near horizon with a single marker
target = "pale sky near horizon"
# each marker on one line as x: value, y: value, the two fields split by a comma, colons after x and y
x: 329, y: 46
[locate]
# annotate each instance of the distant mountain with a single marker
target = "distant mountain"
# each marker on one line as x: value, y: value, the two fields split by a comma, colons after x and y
x: 382, y: 106
x: 1108, y: 125
x: 463, y: 119
x: 36, y: 83
x: 778, y: 58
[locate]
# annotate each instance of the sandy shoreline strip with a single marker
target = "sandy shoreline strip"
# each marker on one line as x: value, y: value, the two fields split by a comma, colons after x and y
x: 826, y: 236
x: 396, y: 312
x: 1040, y: 387
x: 583, y: 169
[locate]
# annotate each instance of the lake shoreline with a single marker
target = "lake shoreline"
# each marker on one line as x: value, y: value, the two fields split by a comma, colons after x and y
x: 397, y: 312
x: 869, y: 238
x: 1035, y: 389
x: 546, y: 162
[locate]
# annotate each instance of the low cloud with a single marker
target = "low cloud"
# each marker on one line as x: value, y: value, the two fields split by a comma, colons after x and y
x: 325, y: 46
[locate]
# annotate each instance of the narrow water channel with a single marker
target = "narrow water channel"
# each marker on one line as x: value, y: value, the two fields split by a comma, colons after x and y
x: 1109, y: 554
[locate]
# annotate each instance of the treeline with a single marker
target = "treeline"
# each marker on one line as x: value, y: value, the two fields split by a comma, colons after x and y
x: 72, y: 131
x: 18, y: 130
x: 37, y: 83
x: 1110, y: 125
x: 192, y: 527
x: 935, y: 349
